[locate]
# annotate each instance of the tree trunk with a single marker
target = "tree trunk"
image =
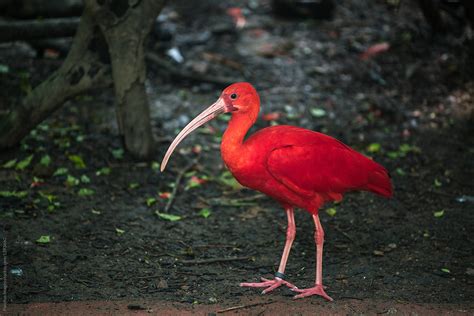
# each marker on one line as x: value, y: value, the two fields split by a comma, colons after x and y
x: 125, y: 25
x: 84, y: 68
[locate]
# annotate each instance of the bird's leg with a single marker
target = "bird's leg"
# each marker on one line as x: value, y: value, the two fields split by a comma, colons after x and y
x: 280, y: 275
x: 318, y: 288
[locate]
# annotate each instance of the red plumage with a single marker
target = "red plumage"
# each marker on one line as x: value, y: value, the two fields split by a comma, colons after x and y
x: 303, y: 168
x: 295, y: 166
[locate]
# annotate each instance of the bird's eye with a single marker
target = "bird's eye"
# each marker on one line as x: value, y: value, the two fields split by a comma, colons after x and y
x: 233, y: 96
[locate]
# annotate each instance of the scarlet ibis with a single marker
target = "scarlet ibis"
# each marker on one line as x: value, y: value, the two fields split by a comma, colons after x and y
x: 295, y: 166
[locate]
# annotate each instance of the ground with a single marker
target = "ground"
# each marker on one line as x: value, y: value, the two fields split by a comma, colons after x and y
x: 108, y: 235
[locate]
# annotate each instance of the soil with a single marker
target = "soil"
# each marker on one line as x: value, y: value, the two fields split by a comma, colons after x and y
x: 410, y: 108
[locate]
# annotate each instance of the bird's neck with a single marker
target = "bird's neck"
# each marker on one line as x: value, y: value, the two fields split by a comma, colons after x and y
x: 232, y: 146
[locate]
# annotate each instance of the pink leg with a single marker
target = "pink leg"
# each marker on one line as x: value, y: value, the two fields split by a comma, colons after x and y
x: 318, y: 288
x: 278, y: 281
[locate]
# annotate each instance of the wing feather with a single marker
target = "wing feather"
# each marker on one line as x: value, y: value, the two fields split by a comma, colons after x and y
x: 324, y: 169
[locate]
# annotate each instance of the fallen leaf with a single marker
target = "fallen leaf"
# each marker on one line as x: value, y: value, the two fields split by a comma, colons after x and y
x: 85, y: 179
x: 378, y: 253
x: 78, y: 161
x: 273, y: 116
x: 45, y: 160
x: 439, y: 213
x: 150, y: 201
x: 24, y: 163
x: 195, y: 181
x: 155, y: 166
x: 133, y: 185
x: 60, y: 172
x: 85, y: 192
x: 45, y: 239
x: 164, y: 195
x: 71, y: 180
x: 317, y: 112
x: 117, y: 153
x: 374, y: 50
x: 17, y: 194
x: 119, y: 231
x: 205, y: 212
x: 103, y: 171
x: 331, y: 211
x: 168, y: 217
x: 237, y: 16
x: 9, y: 164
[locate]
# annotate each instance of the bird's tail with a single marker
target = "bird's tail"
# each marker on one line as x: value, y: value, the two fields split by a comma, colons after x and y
x: 379, y: 182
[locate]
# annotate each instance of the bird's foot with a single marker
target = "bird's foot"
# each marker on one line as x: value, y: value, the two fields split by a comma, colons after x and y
x: 317, y: 290
x: 270, y: 284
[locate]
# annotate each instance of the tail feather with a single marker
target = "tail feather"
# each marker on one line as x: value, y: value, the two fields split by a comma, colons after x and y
x: 379, y: 182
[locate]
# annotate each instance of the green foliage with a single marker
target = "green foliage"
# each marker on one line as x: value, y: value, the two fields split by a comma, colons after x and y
x: 71, y: 180
x: 331, y: 211
x: 150, y: 201
x: 45, y: 160
x: 24, y: 163
x: 117, y: 153
x: 168, y: 217
x: 9, y: 164
x: 205, y: 212
x: 226, y: 178
x: 103, y: 171
x: 85, y: 179
x: 317, y: 112
x: 85, y: 192
x: 119, y: 231
x: 60, y: 172
x: 374, y: 148
x: 78, y: 161
x: 16, y: 194
x: 45, y: 239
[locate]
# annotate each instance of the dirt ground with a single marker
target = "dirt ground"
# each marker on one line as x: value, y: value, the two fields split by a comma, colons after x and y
x: 93, y: 232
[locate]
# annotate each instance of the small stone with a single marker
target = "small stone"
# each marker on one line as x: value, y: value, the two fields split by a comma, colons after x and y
x: 162, y: 284
x: 212, y: 300
x: 378, y: 253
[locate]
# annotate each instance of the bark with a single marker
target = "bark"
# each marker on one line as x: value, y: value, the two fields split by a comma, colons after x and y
x: 34, y: 29
x: 84, y: 68
x: 125, y: 25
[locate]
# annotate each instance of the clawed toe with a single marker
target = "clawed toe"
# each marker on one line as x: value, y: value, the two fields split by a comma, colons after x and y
x: 317, y: 290
x: 270, y: 284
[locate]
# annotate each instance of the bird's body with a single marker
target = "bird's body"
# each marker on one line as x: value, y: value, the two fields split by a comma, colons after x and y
x: 302, y: 168
x: 295, y: 166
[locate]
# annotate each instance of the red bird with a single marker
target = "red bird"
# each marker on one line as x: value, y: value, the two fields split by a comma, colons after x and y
x: 295, y: 166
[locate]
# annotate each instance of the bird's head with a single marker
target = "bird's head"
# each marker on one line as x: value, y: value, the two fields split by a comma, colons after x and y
x: 239, y: 98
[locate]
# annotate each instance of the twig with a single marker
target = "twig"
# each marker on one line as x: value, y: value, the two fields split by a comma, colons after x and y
x: 146, y: 277
x: 351, y: 298
x: 214, y: 260
x: 174, y: 72
x: 344, y: 234
x: 176, y: 185
x: 243, y: 306
x: 33, y: 29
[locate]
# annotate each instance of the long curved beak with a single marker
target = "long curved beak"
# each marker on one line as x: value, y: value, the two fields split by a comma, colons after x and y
x: 208, y: 114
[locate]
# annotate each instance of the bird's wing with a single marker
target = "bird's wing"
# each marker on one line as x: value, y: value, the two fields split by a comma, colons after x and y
x: 330, y: 168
